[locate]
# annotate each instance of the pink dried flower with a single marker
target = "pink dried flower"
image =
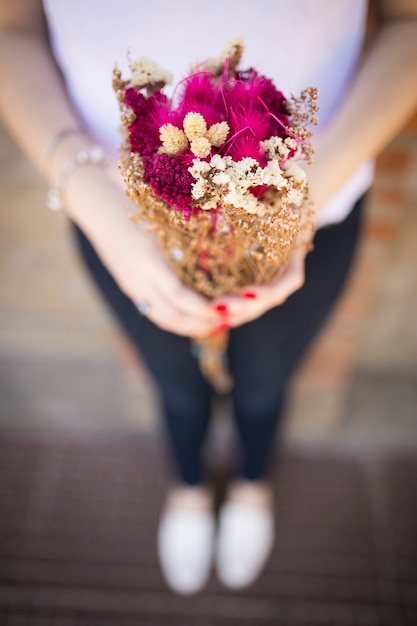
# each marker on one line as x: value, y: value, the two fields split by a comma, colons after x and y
x: 246, y: 145
x: 200, y: 95
x: 254, y: 92
x: 257, y: 122
x: 245, y: 105
x: 170, y: 179
x: 144, y: 130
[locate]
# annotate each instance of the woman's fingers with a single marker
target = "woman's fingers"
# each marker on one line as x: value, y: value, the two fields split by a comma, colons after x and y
x: 185, y: 300
x: 168, y: 317
x: 164, y: 311
x: 257, y: 299
x: 145, y: 276
x: 174, y: 307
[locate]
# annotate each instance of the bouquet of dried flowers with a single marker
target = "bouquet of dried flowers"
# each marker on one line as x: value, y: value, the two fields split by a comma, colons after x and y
x: 213, y: 172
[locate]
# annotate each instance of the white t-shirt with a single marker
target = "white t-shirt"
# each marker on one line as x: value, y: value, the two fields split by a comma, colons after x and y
x: 296, y: 43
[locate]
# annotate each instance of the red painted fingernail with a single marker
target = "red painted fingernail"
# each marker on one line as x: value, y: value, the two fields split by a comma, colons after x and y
x: 249, y: 295
x: 222, y: 309
x: 220, y: 329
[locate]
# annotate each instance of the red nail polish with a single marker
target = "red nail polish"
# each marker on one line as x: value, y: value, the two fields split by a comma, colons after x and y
x: 220, y: 329
x: 249, y: 295
x: 222, y: 309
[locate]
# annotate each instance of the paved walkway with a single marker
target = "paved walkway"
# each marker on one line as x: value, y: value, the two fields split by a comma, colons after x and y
x: 77, y: 539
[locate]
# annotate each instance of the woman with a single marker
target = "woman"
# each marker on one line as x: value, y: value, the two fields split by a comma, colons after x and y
x: 363, y: 105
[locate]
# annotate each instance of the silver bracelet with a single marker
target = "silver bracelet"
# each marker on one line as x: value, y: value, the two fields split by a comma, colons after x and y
x: 54, y: 142
x: 94, y: 155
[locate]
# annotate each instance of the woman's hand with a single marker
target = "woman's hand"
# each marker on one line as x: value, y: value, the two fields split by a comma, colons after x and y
x: 136, y: 262
x: 257, y: 299
x: 133, y: 256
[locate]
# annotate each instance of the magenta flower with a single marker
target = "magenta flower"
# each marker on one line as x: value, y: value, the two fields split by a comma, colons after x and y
x: 170, y: 179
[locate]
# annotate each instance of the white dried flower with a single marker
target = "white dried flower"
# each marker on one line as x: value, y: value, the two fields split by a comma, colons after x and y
x: 221, y: 179
x: 272, y: 175
x: 245, y: 167
x: 275, y: 147
x: 210, y: 204
x: 290, y: 143
x: 251, y: 205
x: 241, y: 199
x: 295, y: 196
x: 247, y: 173
x: 173, y: 139
x: 294, y: 171
x: 199, y: 168
x: 194, y: 126
x: 255, y: 178
x: 218, y: 162
x: 278, y: 147
x: 234, y: 196
x: 199, y: 188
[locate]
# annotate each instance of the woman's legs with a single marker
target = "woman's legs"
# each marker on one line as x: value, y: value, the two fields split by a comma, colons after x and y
x: 186, y: 397
x: 264, y: 353
x: 262, y: 356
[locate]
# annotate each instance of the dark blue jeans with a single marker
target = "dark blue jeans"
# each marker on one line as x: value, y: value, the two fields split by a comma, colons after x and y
x: 262, y: 354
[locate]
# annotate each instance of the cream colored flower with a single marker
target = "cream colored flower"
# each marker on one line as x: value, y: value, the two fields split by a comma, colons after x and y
x: 200, y: 147
x: 173, y: 139
x: 233, y: 48
x: 233, y: 51
x: 210, y: 64
x: 217, y: 133
x: 145, y: 72
x: 194, y: 126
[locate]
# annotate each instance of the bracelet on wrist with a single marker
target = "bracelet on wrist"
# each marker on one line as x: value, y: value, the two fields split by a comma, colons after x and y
x: 93, y: 155
x: 54, y: 143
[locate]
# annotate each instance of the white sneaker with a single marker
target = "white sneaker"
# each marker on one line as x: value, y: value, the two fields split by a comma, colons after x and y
x: 185, y: 547
x: 245, y: 541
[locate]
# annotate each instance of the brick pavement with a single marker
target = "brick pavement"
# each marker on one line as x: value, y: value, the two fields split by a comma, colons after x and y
x: 77, y: 539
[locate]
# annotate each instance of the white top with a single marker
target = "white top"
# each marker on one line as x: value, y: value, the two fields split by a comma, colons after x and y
x: 297, y: 43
